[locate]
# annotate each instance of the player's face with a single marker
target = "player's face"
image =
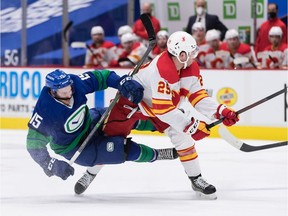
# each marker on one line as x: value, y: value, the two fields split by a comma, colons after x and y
x: 214, y: 44
x: 233, y: 43
x: 64, y: 93
x: 184, y: 57
x: 162, y: 42
x: 98, y: 38
x: 275, y: 40
x: 199, y: 34
x: 128, y: 46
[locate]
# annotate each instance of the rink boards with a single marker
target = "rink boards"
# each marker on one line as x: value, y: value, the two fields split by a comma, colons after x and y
x: 21, y: 87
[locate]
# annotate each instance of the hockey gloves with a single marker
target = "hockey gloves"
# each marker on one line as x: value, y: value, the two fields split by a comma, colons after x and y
x: 197, y: 129
x: 230, y: 116
x: 130, y: 89
x: 62, y: 169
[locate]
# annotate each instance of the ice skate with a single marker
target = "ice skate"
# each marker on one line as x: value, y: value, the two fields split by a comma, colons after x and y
x: 167, y: 154
x: 83, y: 183
x: 202, y: 188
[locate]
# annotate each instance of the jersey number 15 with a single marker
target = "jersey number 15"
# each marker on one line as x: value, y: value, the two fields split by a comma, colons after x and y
x: 36, y: 120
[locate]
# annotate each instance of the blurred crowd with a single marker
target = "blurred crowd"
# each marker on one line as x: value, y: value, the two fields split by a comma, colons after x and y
x: 219, y: 47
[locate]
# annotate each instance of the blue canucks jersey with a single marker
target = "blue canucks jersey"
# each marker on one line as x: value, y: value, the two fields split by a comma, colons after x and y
x: 63, y: 126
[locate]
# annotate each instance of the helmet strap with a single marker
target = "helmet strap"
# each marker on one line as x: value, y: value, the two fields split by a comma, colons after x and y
x: 184, y: 62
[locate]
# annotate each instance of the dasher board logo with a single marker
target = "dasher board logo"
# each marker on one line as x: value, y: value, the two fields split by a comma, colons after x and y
x: 173, y: 11
x: 227, y: 96
x: 229, y: 9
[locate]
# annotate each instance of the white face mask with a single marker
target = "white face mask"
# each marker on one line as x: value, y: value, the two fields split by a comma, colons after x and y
x: 200, y: 10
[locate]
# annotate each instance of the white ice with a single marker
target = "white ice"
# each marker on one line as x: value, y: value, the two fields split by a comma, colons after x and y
x: 247, y: 184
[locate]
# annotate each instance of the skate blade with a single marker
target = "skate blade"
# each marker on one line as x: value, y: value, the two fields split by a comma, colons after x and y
x: 206, y: 196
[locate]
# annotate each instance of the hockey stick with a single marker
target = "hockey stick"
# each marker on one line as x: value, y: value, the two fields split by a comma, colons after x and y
x: 250, y: 106
x: 242, y: 146
x: 152, y: 42
x: 228, y: 137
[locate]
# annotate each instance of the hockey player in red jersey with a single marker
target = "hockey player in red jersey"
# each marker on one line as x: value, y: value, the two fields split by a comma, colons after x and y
x: 237, y: 49
x: 100, y: 52
x: 161, y: 45
x: 198, y: 32
x: 170, y: 78
x: 129, y: 53
x: 274, y: 55
x: 214, y: 57
x: 262, y: 40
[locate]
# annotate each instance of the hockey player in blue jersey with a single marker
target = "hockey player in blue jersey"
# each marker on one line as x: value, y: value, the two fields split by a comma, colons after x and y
x: 62, y: 119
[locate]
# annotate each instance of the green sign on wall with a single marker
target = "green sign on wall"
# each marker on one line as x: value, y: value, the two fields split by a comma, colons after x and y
x: 229, y: 9
x: 173, y: 11
x: 259, y: 8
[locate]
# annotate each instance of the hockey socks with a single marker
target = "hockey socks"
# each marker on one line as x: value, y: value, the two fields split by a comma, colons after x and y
x: 138, y: 152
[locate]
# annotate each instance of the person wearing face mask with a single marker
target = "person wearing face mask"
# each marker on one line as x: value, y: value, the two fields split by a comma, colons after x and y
x: 139, y: 28
x: 209, y: 21
x: 262, y: 40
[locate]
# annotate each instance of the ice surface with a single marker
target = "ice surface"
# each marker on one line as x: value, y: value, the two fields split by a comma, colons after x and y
x: 247, y: 183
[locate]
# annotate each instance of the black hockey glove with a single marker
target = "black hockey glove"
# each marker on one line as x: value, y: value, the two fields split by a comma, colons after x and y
x: 62, y: 169
x: 130, y: 89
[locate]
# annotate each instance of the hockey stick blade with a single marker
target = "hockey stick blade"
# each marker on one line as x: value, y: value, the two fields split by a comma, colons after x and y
x: 232, y: 140
x: 145, y: 19
x: 152, y: 42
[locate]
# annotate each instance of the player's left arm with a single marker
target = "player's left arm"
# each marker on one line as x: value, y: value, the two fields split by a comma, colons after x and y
x: 206, y: 105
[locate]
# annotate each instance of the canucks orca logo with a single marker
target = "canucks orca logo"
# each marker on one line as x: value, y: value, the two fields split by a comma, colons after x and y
x: 75, y: 121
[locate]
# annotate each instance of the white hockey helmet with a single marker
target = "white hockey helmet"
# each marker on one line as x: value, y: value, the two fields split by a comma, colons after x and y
x: 181, y: 41
x: 97, y: 30
x: 231, y: 33
x: 162, y: 33
x: 212, y: 34
x: 198, y: 26
x: 127, y: 37
x: 276, y: 30
x: 124, y: 29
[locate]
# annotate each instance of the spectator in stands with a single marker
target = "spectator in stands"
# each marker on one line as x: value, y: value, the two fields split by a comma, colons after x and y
x: 100, y: 52
x: 274, y: 55
x: 214, y: 57
x: 209, y: 21
x: 262, y: 40
x: 161, y: 37
x: 131, y: 54
x: 139, y: 28
x: 198, y: 32
x: 240, y: 53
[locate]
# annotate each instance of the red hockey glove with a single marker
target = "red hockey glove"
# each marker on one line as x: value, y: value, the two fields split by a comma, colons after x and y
x: 197, y: 129
x: 230, y: 116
